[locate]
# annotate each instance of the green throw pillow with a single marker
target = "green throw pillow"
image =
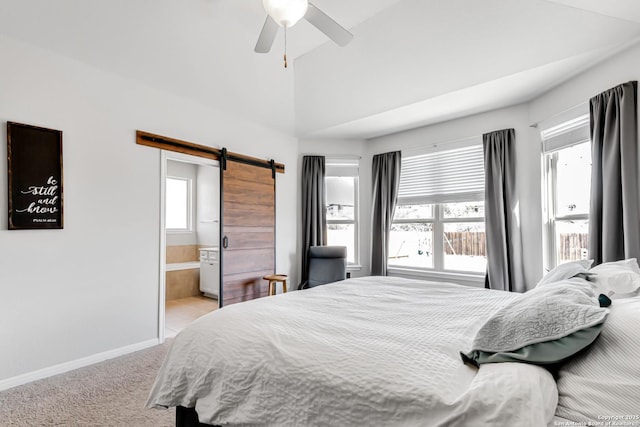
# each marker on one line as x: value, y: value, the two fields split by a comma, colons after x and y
x: 544, y: 353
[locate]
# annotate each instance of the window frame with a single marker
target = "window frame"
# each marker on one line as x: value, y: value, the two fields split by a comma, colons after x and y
x: 551, y: 216
x: 438, y: 224
x: 356, y: 211
x: 464, y: 193
x: 189, y: 202
x: 565, y: 130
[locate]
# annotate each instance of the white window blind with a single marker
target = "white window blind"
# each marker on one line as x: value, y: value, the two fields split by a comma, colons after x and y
x: 566, y: 134
x: 443, y: 177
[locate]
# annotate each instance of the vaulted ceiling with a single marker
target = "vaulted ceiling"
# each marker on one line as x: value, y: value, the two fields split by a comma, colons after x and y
x: 411, y: 63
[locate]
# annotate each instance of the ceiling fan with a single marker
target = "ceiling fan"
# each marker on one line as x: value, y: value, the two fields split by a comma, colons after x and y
x: 286, y: 13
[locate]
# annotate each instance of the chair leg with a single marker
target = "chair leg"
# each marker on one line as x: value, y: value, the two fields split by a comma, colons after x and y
x: 284, y: 286
x: 272, y: 287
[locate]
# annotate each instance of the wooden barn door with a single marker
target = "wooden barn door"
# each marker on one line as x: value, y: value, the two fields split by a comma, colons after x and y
x: 247, y: 228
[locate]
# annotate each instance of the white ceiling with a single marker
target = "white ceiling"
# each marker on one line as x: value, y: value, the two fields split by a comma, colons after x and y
x: 203, y: 50
x: 623, y: 9
x: 426, y: 61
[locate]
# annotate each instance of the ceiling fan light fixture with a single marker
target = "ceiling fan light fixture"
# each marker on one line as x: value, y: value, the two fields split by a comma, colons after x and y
x: 286, y: 12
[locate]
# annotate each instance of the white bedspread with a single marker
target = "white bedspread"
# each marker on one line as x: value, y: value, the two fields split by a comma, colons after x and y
x: 367, y: 351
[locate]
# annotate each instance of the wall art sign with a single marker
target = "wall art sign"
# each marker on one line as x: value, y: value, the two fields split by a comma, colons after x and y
x: 35, y: 177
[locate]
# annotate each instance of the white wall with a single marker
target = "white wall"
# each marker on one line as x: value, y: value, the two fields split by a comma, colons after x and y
x: 618, y: 69
x: 93, y: 287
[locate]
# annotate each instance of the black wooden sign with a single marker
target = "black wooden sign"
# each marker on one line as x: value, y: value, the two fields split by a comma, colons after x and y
x: 35, y: 177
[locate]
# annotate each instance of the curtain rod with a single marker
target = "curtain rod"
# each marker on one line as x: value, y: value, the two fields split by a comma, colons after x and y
x: 581, y: 104
x: 337, y: 157
x: 438, y: 144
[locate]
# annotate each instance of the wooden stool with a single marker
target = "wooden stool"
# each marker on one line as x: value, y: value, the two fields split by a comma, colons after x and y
x: 273, y: 279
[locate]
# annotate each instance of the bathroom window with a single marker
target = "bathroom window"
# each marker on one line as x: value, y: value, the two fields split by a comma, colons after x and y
x: 178, y: 204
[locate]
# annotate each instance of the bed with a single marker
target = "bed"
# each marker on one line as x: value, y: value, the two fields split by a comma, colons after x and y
x: 364, y: 351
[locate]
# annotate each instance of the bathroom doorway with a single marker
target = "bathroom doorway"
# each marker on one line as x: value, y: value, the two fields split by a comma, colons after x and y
x: 189, y: 239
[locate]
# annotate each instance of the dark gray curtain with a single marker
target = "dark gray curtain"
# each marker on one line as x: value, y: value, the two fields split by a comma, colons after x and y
x: 314, y: 213
x: 614, y: 222
x: 386, y: 180
x: 503, y: 238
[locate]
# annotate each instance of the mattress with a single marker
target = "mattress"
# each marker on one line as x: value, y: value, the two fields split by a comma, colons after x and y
x: 365, y: 351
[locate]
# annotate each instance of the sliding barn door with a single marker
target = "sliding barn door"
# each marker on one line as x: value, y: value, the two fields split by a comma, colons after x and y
x: 248, y: 217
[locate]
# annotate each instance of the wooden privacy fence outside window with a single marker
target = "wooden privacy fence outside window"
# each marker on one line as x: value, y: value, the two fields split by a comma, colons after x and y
x: 464, y: 243
x: 571, y: 246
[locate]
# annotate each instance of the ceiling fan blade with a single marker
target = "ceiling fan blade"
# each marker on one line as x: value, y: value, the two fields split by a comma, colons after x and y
x: 331, y: 28
x: 267, y: 35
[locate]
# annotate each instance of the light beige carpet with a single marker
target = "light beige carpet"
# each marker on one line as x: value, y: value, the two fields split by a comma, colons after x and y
x: 111, y: 393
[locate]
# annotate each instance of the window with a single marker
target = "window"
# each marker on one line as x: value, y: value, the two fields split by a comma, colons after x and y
x: 439, y: 218
x: 341, y: 181
x: 567, y: 160
x: 178, y: 204
x: 411, y: 237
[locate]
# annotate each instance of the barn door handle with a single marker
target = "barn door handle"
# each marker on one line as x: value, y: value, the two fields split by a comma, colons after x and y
x: 225, y: 242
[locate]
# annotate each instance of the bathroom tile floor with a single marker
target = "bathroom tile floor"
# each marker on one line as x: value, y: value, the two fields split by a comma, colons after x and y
x: 180, y: 312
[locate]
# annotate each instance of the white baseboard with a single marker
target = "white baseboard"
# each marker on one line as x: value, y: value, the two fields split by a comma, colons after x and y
x: 74, y: 364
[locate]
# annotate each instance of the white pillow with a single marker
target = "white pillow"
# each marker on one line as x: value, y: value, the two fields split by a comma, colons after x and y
x: 630, y: 264
x: 566, y: 271
x: 604, y: 379
x: 620, y: 279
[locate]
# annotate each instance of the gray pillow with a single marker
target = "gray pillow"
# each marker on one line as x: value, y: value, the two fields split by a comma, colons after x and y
x: 545, y: 325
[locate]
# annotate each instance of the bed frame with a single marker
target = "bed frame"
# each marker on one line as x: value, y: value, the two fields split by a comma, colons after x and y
x: 188, y: 417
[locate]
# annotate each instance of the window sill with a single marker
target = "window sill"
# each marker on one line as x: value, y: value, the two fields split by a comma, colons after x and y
x: 354, y: 267
x: 470, y: 279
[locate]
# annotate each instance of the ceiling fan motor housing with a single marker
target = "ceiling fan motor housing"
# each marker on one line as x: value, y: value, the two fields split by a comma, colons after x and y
x: 286, y: 12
